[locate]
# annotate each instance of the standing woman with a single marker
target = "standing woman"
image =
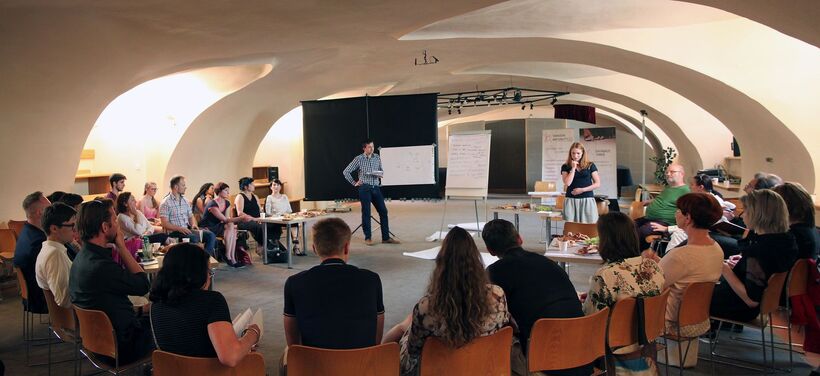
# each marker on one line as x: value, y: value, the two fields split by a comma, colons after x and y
x: 580, y: 176
x: 218, y: 220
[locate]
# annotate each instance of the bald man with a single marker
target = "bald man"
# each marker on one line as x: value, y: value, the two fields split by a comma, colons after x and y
x: 660, y: 211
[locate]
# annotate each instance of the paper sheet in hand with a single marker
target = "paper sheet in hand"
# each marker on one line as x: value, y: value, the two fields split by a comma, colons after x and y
x: 246, y: 318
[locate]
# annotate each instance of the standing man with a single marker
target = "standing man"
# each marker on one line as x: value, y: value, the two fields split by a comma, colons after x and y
x: 29, y: 243
x: 369, y: 166
x: 178, y: 219
x: 117, y: 183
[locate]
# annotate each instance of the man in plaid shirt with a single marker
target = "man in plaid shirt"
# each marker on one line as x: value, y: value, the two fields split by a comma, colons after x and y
x: 369, y: 166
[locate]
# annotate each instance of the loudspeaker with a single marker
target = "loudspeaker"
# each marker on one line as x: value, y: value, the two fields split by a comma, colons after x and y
x: 273, y: 173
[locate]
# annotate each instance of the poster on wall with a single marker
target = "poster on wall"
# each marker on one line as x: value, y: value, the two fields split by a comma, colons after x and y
x: 600, y: 145
x: 555, y: 145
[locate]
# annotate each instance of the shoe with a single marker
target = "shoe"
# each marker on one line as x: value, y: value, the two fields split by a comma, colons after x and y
x: 369, y: 242
x: 297, y: 252
x: 237, y: 265
x: 391, y: 241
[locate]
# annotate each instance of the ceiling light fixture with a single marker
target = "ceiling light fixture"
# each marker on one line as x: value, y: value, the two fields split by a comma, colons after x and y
x: 497, y: 97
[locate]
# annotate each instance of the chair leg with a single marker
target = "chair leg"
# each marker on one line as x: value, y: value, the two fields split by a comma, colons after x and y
x: 791, y: 354
x: 763, y: 347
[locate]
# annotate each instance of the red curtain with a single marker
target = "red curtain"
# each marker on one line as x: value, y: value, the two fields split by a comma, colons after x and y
x: 575, y: 112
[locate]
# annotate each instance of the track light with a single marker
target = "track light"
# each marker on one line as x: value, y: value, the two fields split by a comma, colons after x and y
x: 552, y: 102
x: 517, y: 95
x: 531, y: 106
x: 449, y: 112
x: 523, y: 106
x: 503, y: 96
x: 459, y: 110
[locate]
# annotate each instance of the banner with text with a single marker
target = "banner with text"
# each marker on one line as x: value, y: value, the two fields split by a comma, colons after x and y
x: 600, y: 145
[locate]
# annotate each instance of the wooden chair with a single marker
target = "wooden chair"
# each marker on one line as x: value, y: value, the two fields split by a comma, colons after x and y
x: 28, y: 316
x: 168, y: 364
x: 622, y: 328
x: 8, y: 241
x: 796, y: 284
x: 566, y: 343
x: 636, y: 210
x: 693, y: 309
x: 588, y: 229
x: 769, y: 303
x: 487, y: 355
x: 62, y: 325
x: 544, y: 186
x: 559, y: 203
x: 97, y: 336
x: 375, y: 360
x: 17, y: 227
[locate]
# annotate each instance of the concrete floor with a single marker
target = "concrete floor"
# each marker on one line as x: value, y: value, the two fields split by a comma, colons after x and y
x: 404, y: 280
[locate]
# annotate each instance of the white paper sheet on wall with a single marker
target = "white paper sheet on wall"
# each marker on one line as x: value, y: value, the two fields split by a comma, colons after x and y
x: 408, y: 165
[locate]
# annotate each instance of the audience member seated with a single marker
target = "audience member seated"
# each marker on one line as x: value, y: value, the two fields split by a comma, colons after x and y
x: 97, y: 282
x: 53, y: 264
x: 188, y: 319
x: 178, y: 220
x: 460, y: 303
x: 246, y: 202
x: 535, y: 286
x: 55, y: 196
x: 762, y: 180
x: 73, y: 200
x: 149, y: 206
x: 277, y: 203
x: 700, y: 260
x: 768, y: 249
x: 134, y: 225
x: 117, y: 183
x: 801, y: 219
x: 660, y: 211
x: 29, y: 242
x: 626, y: 274
x: 219, y: 221
x: 205, y: 194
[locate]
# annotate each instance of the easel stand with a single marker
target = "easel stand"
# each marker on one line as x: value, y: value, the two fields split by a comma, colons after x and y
x: 475, y: 203
x: 392, y: 235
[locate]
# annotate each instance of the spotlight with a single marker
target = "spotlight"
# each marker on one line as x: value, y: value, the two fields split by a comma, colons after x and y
x: 523, y: 106
x: 531, y: 106
x: 449, y: 112
x: 517, y: 95
x: 459, y: 110
x: 552, y: 103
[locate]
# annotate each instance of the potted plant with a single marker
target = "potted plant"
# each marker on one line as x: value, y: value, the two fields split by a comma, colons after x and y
x: 666, y: 158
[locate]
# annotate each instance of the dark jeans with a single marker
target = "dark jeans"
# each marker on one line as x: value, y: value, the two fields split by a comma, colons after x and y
x: 726, y: 304
x: 727, y: 243
x: 367, y: 194
x: 207, y: 237
x: 644, y: 226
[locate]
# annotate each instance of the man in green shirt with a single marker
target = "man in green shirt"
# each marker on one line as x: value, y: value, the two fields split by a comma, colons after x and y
x: 661, y: 209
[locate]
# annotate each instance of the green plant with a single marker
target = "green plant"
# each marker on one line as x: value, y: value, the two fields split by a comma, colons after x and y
x: 661, y: 162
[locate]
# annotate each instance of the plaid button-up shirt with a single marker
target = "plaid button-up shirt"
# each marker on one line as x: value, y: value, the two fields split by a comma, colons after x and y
x: 365, y: 166
x: 178, y: 211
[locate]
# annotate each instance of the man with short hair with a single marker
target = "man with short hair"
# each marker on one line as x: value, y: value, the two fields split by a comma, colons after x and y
x: 762, y: 180
x: 29, y: 242
x: 97, y: 282
x: 53, y: 264
x: 660, y: 211
x: 369, y: 167
x: 177, y: 218
x: 333, y: 305
x: 535, y: 286
x: 117, y: 183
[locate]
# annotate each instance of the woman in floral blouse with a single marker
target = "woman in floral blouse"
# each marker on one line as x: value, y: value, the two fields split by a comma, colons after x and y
x: 625, y: 274
x: 459, y: 306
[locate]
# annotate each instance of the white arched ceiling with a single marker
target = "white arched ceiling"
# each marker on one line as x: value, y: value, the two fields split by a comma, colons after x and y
x: 692, y: 120
x: 768, y: 67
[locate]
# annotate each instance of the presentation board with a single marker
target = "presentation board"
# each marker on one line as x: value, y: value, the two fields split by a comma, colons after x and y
x: 408, y: 165
x: 468, y: 164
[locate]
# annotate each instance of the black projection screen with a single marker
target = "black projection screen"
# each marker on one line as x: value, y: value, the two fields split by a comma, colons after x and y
x: 334, y: 129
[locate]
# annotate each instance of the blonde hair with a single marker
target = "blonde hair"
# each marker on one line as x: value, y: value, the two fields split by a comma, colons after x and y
x: 584, y: 162
x: 765, y: 212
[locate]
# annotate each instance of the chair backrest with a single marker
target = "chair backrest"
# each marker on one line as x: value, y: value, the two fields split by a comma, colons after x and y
x: 694, y: 305
x: 7, y: 240
x: 96, y: 332
x: 559, y: 203
x: 62, y: 319
x: 655, y: 315
x: 798, y: 278
x: 375, y: 360
x: 487, y: 355
x: 21, y: 283
x: 622, y: 329
x: 168, y: 364
x: 566, y: 343
x: 771, y: 295
x: 636, y: 210
x: 639, y: 194
x: 588, y: 229
x: 17, y: 227
x: 545, y: 186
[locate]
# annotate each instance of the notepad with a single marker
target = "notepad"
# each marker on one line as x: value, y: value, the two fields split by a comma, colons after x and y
x: 248, y: 317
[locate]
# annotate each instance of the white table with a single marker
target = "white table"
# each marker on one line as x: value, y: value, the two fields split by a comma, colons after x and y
x: 297, y: 220
x: 547, y: 216
x: 570, y: 257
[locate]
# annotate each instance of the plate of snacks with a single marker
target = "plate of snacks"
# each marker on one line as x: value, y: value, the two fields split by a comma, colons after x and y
x: 589, y: 249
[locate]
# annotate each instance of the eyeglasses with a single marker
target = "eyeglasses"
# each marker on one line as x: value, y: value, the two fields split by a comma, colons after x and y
x: 67, y: 224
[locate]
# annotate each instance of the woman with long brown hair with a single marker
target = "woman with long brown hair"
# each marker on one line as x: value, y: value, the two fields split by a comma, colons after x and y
x: 580, y: 177
x: 460, y: 303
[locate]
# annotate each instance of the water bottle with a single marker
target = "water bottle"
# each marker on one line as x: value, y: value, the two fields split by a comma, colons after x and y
x: 146, y: 248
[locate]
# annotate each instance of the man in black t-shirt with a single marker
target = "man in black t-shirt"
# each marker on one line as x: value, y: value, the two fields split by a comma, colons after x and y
x: 333, y: 305
x: 535, y: 286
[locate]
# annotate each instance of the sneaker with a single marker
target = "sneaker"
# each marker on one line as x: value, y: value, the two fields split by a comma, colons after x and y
x: 369, y: 242
x: 391, y: 241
